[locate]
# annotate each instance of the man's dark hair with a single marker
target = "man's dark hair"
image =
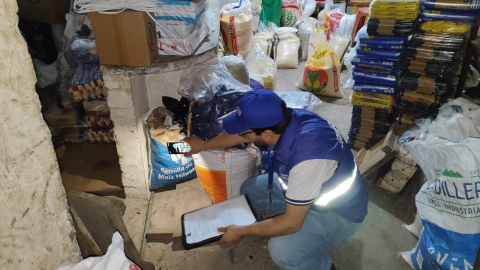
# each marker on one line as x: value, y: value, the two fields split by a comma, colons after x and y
x: 280, y: 127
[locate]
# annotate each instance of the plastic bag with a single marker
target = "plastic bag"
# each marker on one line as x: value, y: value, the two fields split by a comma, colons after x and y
x: 237, y: 67
x: 262, y: 68
x: 114, y: 259
x: 47, y: 75
x: 171, y: 44
x: 285, y: 47
x: 84, y: 49
x: 87, y: 83
x: 447, y: 203
x: 271, y: 12
x: 322, y: 71
x: 304, y: 29
x: 330, y: 17
x: 165, y: 168
x: 292, y: 11
x: 264, y: 38
x: 103, y: 135
x: 201, y: 83
x: 237, y: 27
x: 378, y: 101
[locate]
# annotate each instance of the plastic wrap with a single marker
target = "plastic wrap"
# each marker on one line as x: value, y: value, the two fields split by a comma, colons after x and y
x: 429, y: 69
x: 84, y: 49
x: 87, y: 83
x: 446, y: 15
x: 397, y: 177
x: 201, y: 83
x: 304, y: 29
x: 363, y: 62
x: 105, y: 135
x: 387, y: 44
x: 415, y: 97
x: 374, y: 78
x: 237, y: 29
x: 374, y: 88
x: 379, y: 101
x: 300, y: 100
x: 470, y: 6
x: 178, y: 10
x: 262, y: 68
x: 237, y: 67
x: 379, y: 54
x: 447, y: 27
x: 171, y: 44
x: 98, y: 114
x: 47, y: 75
x: 424, y: 85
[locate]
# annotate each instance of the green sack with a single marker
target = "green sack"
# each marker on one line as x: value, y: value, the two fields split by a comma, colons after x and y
x: 271, y: 11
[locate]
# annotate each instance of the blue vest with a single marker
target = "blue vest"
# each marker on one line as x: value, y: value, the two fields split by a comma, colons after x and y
x: 308, y: 136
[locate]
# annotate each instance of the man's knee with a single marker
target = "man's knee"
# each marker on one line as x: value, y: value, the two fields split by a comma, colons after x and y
x: 281, y: 253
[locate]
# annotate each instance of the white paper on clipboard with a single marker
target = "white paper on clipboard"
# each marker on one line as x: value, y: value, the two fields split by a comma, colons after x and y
x: 202, y: 224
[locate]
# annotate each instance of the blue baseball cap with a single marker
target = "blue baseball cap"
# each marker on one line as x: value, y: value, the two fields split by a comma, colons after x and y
x: 256, y: 109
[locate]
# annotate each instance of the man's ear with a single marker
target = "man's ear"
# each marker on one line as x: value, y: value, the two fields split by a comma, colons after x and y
x: 269, y: 134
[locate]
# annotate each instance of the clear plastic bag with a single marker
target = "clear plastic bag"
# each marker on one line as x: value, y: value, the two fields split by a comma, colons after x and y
x: 304, y: 29
x: 237, y: 67
x: 286, y: 46
x: 262, y: 68
x: 201, y: 83
x: 264, y: 38
x: 47, y: 75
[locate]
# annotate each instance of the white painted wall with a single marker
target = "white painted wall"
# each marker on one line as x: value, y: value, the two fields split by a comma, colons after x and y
x: 36, y: 230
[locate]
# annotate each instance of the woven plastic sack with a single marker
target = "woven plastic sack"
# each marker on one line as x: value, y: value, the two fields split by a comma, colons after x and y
x: 237, y: 28
x: 222, y: 172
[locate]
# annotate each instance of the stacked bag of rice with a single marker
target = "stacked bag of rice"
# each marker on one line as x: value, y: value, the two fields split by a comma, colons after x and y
x: 433, y: 54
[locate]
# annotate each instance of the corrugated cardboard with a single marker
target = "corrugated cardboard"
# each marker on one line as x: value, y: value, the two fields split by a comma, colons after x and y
x: 96, y: 186
x: 46, y: 11
x: 126, y: 39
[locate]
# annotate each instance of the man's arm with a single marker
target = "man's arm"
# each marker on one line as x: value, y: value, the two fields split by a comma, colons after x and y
x: 288, y: 223
x: 221, y: 141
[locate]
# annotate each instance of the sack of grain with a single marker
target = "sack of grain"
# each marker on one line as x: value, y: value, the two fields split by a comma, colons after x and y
x: 222, y: 172
x: 286, y: 46
x: 236, y: 25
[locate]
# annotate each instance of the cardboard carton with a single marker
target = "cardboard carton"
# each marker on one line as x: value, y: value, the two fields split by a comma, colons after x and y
x: 46, y: 11
x: 126, y: 39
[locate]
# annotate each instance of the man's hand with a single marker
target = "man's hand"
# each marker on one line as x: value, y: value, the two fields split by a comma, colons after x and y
x: 231, y: 237
x: 196, y: 145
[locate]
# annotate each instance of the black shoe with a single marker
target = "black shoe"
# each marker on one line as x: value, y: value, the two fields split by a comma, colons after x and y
x: 333, y: 267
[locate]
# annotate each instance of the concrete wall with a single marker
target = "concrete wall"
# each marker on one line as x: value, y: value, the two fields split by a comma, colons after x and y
x: 36, y: 230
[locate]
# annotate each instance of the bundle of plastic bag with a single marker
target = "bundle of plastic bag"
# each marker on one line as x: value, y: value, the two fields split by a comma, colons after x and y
x: 322, y: 71
x: 237, y: 28
x: 262, y: 68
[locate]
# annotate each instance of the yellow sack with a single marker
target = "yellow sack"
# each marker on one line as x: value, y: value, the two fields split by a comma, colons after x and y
x: 322, y: 70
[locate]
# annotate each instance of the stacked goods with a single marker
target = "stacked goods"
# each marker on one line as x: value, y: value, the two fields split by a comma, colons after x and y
x: 87, y: 83
x: 181, y: 26
x: 433, y: 54
x: 100, y: 126
x: 369, y: 126
x: 377, y: 69
x: 68, y: 122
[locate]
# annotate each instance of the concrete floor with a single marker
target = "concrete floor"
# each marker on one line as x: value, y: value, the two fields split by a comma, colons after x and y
x: 375, y: 246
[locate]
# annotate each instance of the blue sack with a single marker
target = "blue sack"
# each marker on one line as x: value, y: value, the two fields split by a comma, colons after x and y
x: 165, y: 168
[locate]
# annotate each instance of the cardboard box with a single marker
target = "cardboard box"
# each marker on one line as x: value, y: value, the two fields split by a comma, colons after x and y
x: 128, y: 38
x: 369, y: 161
x: 46, y: 11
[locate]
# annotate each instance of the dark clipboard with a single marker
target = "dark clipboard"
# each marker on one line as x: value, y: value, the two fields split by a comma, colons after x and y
x: 209, y: 240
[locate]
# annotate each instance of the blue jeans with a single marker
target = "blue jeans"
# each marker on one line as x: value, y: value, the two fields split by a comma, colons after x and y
x: 308, y: 248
